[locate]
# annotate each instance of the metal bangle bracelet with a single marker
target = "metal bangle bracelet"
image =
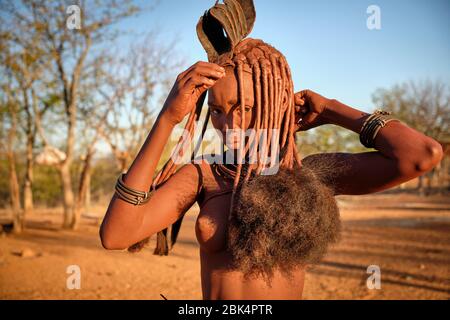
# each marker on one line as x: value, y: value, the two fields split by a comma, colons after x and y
x: 131, y: 195
x: 372, y: 126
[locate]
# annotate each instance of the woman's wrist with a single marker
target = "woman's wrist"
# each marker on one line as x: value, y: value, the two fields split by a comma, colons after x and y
x: 165, y: 119
x: 144, y: 165
x: 345, y: 116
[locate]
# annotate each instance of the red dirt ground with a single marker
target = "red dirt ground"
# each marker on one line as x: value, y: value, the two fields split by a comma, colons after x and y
x: 407, y: 236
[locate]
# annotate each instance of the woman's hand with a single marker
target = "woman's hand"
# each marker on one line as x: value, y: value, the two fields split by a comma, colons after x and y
x: 188, y: 88
x: 309, y: 110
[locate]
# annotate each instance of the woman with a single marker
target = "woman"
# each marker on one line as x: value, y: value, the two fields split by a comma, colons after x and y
x: 257, y: 231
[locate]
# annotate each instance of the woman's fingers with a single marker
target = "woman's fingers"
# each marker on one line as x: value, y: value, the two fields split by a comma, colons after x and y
x: 309, y: 108
x: 298, y: 99
x: 304, y: 109
x: 304, y: 93
x: 204, y: 68
x: 301, y: 109
x: 198, y: 81
x: 303, y: 97
x: 202, y: 73
x: 300, y: 105
x: 213, y: 71
x: 207, y: 71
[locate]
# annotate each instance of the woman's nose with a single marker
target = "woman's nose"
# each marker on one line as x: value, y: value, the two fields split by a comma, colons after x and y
x: 227, y: 126
x: 233, y: 122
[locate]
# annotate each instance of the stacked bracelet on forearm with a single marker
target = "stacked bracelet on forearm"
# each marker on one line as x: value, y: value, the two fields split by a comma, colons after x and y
x: 131, y: 195
x: 372, y: 125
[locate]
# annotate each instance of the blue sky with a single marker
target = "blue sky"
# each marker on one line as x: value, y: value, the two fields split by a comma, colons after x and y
x: 327, y: 44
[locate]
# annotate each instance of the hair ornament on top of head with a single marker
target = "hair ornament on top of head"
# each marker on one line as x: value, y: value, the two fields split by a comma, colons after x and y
x: 223, y: 26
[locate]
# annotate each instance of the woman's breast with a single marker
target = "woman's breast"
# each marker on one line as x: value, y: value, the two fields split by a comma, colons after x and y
x: 212, y: 222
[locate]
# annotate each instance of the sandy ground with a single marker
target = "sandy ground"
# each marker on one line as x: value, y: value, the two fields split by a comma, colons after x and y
x: 406, y: 236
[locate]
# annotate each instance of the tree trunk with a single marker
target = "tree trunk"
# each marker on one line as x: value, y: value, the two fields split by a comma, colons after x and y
x: 87, y: 201
x: 68, y: 201
x: 83, y: 190
x: 420, y: 185
x: 13, y: 180
x: 14, y: 194
x: 28, y: 192
x: 430, y: 178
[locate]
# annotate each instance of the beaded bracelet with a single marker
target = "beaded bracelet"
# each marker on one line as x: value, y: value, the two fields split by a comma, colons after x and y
x: 130, y: 195
x: 372, y: 126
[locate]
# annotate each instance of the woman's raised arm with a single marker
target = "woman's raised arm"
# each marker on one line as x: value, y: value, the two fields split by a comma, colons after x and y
x: 124, y: 223
x: 402, y: 152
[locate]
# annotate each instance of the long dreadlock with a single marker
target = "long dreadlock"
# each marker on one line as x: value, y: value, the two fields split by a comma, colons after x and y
x: 275, y: 113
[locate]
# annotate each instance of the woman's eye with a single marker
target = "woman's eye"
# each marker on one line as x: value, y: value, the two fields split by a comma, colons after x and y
x: 246, y: 109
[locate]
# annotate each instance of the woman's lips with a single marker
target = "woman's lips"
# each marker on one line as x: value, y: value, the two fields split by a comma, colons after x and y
x: 232, y: 139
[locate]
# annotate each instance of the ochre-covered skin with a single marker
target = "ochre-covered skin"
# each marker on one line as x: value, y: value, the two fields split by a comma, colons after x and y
x: 402, y: 154
x: 219, y: 280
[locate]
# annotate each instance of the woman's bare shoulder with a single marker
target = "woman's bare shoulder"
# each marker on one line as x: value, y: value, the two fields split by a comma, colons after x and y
x: 203, y: 165
x: 210, y: 179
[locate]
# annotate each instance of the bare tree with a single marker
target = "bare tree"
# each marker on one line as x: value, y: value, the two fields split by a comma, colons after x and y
x: 23, y: 61
x: 93, y: 119
x: 425, y: 106
x: 69, y: 52
x: 132, y: 93
x: 9, y: 113
x: 23, y: 64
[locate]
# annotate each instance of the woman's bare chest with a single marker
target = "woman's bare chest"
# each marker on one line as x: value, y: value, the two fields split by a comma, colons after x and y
x: 212, y: 221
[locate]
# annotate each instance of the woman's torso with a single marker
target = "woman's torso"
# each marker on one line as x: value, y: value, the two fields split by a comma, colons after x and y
x: 219, y: 280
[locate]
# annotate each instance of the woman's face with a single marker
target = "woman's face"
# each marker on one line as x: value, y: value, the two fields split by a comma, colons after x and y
x: 225, y: 109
